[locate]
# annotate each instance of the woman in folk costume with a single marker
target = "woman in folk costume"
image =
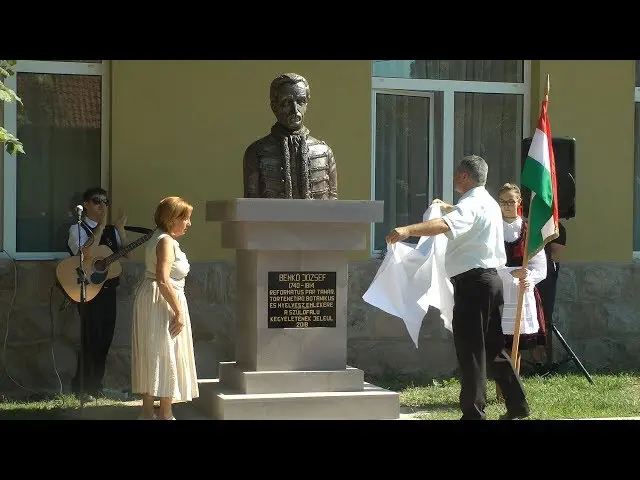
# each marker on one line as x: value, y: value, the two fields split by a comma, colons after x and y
x: 532, y: 325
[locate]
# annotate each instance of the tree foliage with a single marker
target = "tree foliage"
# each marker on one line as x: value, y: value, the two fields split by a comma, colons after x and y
x: 12, y: 144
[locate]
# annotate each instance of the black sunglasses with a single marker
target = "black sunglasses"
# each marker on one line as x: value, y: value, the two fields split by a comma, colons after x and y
x: 99, y: 200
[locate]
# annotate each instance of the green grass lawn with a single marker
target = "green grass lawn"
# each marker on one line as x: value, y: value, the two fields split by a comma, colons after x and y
x: 67, y: 407
x: 557, y: 397
x: 566, y: 396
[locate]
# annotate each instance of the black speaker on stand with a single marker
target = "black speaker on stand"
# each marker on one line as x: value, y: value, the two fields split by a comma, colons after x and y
x: 564, y: 150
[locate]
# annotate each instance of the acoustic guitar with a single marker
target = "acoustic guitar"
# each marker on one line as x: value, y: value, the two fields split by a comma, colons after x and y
x: 103, y: 265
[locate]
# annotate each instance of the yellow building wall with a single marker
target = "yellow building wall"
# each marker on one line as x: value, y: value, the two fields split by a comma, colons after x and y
x: 181, y: 128
x: 593, y: 101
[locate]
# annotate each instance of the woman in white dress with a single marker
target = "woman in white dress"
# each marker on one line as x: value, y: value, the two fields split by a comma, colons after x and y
x: 162, y: 356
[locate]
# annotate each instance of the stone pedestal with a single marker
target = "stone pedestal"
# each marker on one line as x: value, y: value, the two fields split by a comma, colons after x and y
x: 291, y: 312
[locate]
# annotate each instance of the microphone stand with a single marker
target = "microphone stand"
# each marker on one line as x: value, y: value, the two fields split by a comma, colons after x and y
x: 82, y: 281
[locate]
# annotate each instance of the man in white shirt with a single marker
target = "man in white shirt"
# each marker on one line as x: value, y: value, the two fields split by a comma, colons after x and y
x: 475, y: 252
x: 98, y: 316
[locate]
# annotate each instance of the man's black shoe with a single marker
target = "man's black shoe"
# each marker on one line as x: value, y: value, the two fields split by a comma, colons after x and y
x: 513, y: 416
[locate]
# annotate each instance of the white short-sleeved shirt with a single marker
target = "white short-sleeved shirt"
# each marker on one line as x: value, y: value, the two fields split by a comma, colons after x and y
x: 476, y: 235
x: 73, y: 235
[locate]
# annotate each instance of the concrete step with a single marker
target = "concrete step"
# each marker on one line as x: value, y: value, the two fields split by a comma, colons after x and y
x: 303, y: 381
x: 371, y: 403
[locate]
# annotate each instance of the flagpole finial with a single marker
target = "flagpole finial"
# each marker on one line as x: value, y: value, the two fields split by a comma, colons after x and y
x: 547, y: 87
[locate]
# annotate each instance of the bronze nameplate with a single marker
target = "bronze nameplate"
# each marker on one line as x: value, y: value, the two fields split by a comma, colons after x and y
x: 301, y: 299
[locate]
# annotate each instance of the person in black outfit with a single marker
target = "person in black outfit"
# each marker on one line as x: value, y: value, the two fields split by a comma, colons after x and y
x: 547, y: 287
x: 98, y: 316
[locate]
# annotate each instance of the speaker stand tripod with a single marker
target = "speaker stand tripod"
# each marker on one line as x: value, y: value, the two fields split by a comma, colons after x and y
x: 554, y: 366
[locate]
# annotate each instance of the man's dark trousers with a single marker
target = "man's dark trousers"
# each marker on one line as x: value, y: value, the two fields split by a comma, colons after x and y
x: 98, y: 320
x: 480, y: 344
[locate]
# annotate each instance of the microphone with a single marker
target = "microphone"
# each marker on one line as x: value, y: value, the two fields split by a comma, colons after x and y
x: 78, y: 209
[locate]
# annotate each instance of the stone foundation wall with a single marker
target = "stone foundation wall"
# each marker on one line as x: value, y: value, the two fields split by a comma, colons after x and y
x: 595, y: 312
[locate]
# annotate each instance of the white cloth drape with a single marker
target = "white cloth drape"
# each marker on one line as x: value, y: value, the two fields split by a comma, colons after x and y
x: 412, y: 278
x: 529, y: 311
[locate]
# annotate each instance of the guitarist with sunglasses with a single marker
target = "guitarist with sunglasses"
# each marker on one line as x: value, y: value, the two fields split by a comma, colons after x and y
x: 98, y: 316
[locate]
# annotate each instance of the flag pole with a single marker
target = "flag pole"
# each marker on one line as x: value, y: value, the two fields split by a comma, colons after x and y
x: 525, y: 262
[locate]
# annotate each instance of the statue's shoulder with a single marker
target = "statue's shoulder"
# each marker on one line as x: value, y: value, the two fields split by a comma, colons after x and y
x: 319, y: 146
x: 259, y: 146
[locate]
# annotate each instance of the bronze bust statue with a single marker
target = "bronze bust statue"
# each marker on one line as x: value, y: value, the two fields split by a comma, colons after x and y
x: 288, y: 162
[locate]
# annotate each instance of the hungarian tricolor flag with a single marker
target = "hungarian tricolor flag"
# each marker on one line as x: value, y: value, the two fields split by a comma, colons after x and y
x: 539, y: 176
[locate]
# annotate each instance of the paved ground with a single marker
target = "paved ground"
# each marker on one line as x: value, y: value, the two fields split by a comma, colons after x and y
x: 185, y: 411
x: 182, y: 411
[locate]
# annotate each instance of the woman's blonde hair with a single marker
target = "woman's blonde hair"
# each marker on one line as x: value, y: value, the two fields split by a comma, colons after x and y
x: 510, y: 187
x: 171, y: 209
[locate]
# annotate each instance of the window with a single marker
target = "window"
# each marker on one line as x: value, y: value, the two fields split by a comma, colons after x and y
x: 636, y: 167
x: 62, y: 125
x: 429, y: 113
x: 403, y: 140
x: 470, y: 70
x: 490, y: 125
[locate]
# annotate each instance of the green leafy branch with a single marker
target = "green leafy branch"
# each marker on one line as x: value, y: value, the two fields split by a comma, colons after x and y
x: 12, y: 144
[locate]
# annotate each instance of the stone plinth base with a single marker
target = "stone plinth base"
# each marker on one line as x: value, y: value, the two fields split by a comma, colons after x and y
x: 294, y: 395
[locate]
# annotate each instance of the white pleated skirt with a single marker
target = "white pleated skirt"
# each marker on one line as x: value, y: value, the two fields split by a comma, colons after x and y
x: 161, y: 366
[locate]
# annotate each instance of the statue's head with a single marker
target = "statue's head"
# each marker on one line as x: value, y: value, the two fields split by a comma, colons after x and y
x: 289, y: 95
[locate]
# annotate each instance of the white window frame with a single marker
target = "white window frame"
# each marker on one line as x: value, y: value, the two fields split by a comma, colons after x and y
x: 10, y: 161
x: 636, y: 254
x: 448, y: 88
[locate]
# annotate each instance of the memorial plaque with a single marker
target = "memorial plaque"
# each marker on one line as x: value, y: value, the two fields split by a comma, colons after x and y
x: 301, y: 299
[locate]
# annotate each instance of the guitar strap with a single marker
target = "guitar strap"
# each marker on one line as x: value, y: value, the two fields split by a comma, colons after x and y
x: 142, y: 230
x: 88, y: 231
x: 86, y: 228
